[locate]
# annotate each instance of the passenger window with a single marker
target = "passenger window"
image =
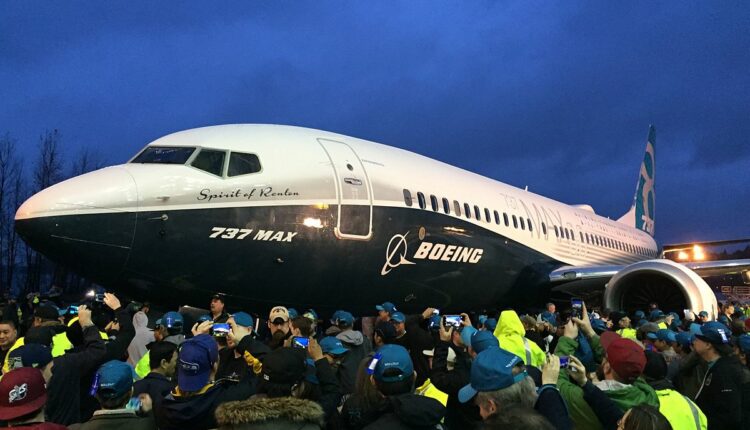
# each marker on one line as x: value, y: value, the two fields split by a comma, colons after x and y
x: 505, y: 218
x: 422, y: 202
x: 567, y: 235
x: 544, y: 229
x: 581, y: 233
x: 467, y: 210
x: 242, y: 164
x: 457, y: 207
x: 557, y: 232
x: 528, y: 221
x: 407, y: 198
x: 515, y: 222
x: 210, y: 161
x: 487, y: 215
x: 477, y: 214
x: 497, y: 218
x: 446, y: 206
x: 434, y: 202
x: 523, y: 224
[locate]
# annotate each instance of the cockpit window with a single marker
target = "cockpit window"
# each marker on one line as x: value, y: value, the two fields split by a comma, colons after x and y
x: 243, y: 164
x: 210, y: 161
x: 164, y: 155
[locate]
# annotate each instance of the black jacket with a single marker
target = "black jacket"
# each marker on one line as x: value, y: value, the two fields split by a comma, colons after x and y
x: 359, y: 347
x: 63, y: 393
x: 415, y: 340
x: 720, y: 395
x: 117, y: 420
x: 552, y: 406
x: 606, y: 409
x: 231, y: 367
x: 356, y: 414
x: 459, y: 415
x: 155, y: 385
x: 410, y: 411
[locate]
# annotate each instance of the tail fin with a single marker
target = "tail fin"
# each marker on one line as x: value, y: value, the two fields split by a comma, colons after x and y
x: 641, y: 214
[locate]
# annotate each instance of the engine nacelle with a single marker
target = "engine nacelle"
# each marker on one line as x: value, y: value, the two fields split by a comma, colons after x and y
x: 671, y: 285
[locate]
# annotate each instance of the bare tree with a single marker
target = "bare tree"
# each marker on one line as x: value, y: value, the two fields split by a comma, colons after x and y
x: 10, y: 180
x: 87, y: 161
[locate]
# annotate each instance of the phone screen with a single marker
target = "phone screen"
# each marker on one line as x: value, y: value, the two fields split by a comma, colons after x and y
x: 577, y: 306
x: 220, y: 329
x: 300, y: 342
x: 564, y: 361
x: 452, y: 320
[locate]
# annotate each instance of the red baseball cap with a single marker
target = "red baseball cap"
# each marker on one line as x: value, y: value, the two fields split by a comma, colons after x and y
x: 22, y: 391
x: 627, y: 358
x: 607, y: 338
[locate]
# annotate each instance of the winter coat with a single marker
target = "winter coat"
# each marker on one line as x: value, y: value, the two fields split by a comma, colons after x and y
x: 359, y: 347
x: 116, y: 420
x: 510, y: 333
x: 282, y: 413
x: 143, y: 336
x: 458, y: 415
x: 720, y: 395
x: 551, y: 405
x: 155, y: 385
x: 410, y: 411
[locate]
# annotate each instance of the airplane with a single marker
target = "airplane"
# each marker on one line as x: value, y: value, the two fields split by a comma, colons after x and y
x: 271, y: 214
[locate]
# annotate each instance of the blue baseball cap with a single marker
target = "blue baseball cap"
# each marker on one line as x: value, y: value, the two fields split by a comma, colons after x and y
x: 342, y: 318
x: 743, y: 341
x: 599, y: 326
x: 310, y: 314
x: 331, y: 345
x: 293, y: 313
x: 466, y: 333
x: 703, y: 314
x: 490, y: 324
x: 30, y: 355
x: 387, y: 306
x: 171, y: 320
x: 113, y: 379
x: 492, y: 370
x: 639, y: 315
x: 196, y: 360
x: 655, y: 314
x: 393, y: 364
x: 243, y: 319
x: 715, y: 333
x: 684, y: 338
x: 481, y: 319
x: 398, y: 317
x: 482, y: 340
x: 202, y: 318
x: 666, y: 335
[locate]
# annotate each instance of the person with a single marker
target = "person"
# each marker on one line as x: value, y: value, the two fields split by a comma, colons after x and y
x: 644, y: 417
x: 385, y: 311
x: 358, y: 345
x: 271, y: 413
x: 169, y: 328
x: 278, y: 324
x: 720, y: 392
x: 415, y: 339
x: 550, y: 315
x: 143, y: 336
x: 160, y: 381
x: 499, y: 379
x: 193, y: 402
x: 384, y: 333
x: 518, y: 417
x: 621, y: 325
x: 232, y: 364
x: 8, y: 337
x: 113, y: 385
x: 217, y: 309
x: 23, y: 396
x: 393, y: 376
x: 363, y: 405
x: 335, y: 353
x: 510, y: 333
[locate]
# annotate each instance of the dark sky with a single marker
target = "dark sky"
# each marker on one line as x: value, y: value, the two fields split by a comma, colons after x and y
x: 554, y: 95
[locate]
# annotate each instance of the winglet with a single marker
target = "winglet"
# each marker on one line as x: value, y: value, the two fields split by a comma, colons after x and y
x: 642, y: 214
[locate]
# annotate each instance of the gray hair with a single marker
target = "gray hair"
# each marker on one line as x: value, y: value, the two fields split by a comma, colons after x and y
x: 521, y: 393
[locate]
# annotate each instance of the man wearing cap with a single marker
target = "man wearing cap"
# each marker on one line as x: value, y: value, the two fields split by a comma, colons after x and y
x: 217, y: 309
x: 383, y: 333
x: 232, y: 363
x: 278, y: 324
x: 720, y: 393
x: 169, y: 328
x: 510, y: 333
x: 385, y: 311
x: 499, y: 379
x: 22, y: 398
x: 358, y: 345
x: 194, y: 400
x: 113, y: 389
x: 619, y: 373
x: 392, y: 373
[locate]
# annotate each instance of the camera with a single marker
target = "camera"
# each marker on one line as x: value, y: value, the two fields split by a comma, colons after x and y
x: 220, y: 330
x: 453, y: 321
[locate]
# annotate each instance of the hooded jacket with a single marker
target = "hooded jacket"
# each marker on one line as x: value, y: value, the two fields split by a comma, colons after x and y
x: 510, y: 333
x: 143, y: 336
x: 282, y: 413
x: 410, y: 411
x: 720, y: 395
x: 359, y: 347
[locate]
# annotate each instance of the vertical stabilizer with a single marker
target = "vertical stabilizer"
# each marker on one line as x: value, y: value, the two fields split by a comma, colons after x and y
x: 642, y: 214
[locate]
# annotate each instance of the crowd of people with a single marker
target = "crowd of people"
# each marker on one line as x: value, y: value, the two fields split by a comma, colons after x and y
x: 100, y: 366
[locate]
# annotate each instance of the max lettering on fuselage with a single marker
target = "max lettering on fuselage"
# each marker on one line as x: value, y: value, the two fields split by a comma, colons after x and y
x: 397, y: 251
x: 230, y: 233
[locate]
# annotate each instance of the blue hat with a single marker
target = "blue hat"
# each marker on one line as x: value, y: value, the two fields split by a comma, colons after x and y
x: 30, y: 355
x: 171, y: 320
x: 466, y: 333
x: 481, y: 319
x: 293, y: 313
x: 684, y: 338
x: 639, y: 315
x: 492, y: 370
x: 715, y: 333
x: 666, y: 335
x: 387, y: 306
x: 113, y: 379
x: 655, y: 314
x: 598, y: 325
x: 331, y: 345
x: 310, y: 314
x: 390, y: 357
x: 675, y: 318
x: 196, y: 360
x: 490, y: 324
x: 483, y: 340
x: 202, y: 318
x: 703, y: 314
x: 398, y: 317
x: 243, y: 319
x: 744, y: 343
x: 342, y: 318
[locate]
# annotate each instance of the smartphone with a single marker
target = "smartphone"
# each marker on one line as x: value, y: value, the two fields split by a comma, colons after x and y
x: 99, y: 298
x: 220, y: 329
x: 300, y: 342
x: 73, y: 310
x: 576, y: 307
x: 134, y: 404
x: 564, y: 361
x: 452, y: 320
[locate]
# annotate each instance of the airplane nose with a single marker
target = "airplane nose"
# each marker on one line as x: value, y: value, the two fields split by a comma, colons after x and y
x: 86, y: 223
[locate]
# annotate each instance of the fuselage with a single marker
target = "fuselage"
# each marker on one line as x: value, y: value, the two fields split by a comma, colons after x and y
x: 286, y: 215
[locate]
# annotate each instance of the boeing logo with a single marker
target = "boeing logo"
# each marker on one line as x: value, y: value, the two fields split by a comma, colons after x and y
x: 395, y: 254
